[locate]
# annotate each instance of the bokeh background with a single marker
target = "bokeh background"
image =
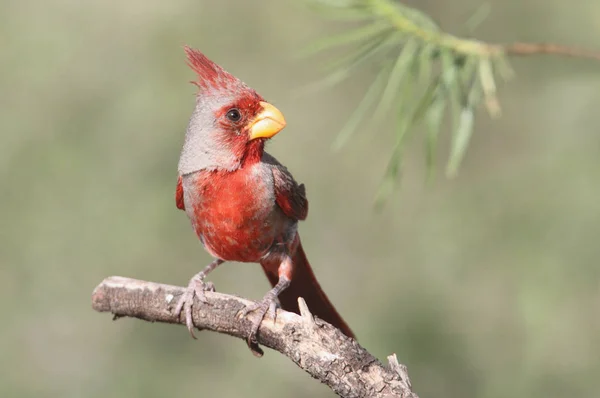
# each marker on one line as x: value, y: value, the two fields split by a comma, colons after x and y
x: 485, y: 286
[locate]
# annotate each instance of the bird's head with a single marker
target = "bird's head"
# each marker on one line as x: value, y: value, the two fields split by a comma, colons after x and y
x: 230, y: 123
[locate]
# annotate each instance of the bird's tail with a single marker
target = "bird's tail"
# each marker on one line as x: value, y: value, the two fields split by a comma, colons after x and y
x: 304, y: 284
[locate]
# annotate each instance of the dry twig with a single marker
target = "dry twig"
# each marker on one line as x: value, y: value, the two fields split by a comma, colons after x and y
x: 549, y: 49
x: 315, y: 346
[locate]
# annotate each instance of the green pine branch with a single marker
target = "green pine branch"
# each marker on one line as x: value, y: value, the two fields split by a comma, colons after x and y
x: 425, y: 73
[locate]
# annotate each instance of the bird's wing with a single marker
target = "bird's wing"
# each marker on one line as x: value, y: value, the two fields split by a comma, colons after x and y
x: 289, y: 195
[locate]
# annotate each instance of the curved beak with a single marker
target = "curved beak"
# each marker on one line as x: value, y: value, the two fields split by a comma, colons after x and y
x: 267, y: 123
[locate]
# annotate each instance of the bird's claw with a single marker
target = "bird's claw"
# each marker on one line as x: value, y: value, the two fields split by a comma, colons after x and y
x: 196, y: 288
x: 268, y: 305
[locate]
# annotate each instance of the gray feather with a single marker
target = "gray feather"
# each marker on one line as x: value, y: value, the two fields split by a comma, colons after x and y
x: 203, y: 149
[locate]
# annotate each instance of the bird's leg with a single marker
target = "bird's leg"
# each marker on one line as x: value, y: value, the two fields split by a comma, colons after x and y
x: 268, y: 304
x: 196, y: 288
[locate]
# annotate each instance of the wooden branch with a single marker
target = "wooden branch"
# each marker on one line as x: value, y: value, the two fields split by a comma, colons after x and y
x: 314, y: 345
x: 549, y: 49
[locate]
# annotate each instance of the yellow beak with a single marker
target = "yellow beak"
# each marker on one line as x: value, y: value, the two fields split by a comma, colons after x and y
x: 267, y: 123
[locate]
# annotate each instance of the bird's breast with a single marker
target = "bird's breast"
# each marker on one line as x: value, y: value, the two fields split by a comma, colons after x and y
x: 234, y: 213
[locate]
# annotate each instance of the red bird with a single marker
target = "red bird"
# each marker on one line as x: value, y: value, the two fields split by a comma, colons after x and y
x: 243, y: 204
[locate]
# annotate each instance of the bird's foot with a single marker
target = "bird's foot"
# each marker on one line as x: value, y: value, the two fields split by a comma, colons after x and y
x: 268, y: 305
x: 196, y: 288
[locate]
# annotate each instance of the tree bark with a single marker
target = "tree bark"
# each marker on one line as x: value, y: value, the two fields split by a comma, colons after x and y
x: 315, y: 346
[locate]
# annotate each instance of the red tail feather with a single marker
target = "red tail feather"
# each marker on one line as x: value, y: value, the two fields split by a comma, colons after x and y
x: 304, y: 284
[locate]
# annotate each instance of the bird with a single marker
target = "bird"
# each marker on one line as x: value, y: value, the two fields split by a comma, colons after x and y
x: 242, y: 203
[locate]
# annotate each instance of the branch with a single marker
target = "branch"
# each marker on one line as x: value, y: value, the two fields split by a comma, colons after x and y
x: 314, y: 345
x: 549, y: 49
x: 425, y: 74
x: 413, y: 23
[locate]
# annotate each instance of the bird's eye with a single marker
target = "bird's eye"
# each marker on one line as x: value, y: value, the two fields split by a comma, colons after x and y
x: 234, y: 115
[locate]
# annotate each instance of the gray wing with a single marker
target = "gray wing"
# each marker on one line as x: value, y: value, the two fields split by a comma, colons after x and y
x: 289, y: 195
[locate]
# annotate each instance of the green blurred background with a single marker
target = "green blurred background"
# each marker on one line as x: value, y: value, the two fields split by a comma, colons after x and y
x: 485, y: 286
